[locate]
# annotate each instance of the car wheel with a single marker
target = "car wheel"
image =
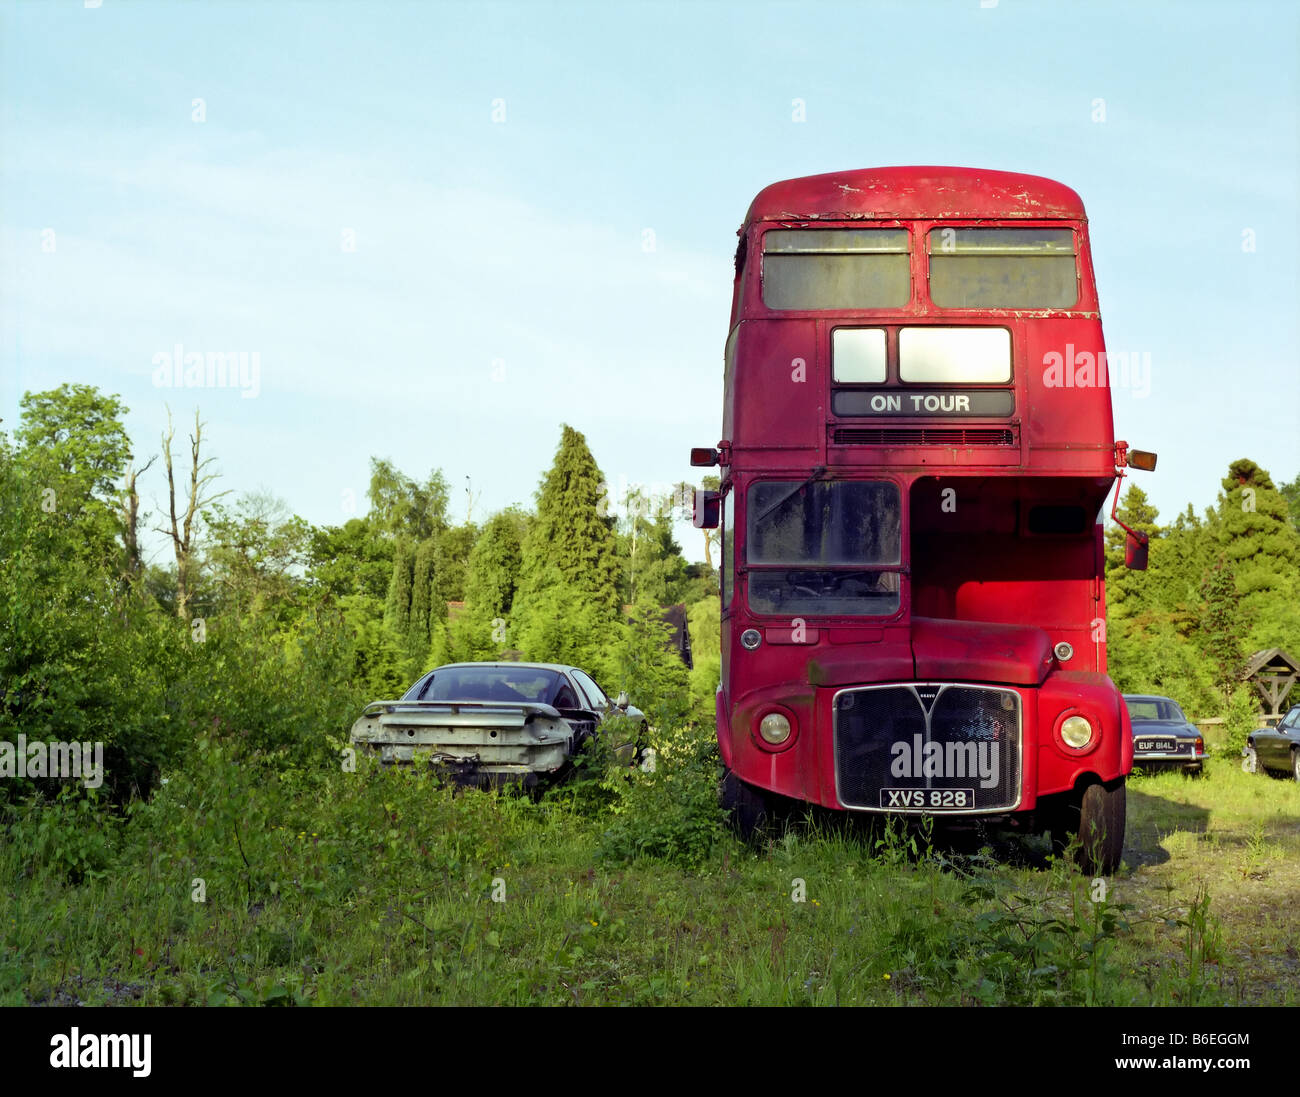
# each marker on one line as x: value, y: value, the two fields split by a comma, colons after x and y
x: 1250, y: 760
x: 1295, y: 764
x: 751, y: 811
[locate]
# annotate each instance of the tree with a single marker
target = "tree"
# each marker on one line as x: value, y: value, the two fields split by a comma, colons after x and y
x: 132, y: 565
x: 453, y: 547
x: 399, y: 506
x: 647, y: 667
x: 74, y: 447
x: 182, y: 532
x: 494, y: 565
x: 1220, y: 631
x: 428, y: 608
x: 653, y: 560
x: 397, y: 610
x: 351, y: 559
x: 78, y: 661
x: 255, y: 554
x: 571, y: 541
x: 1255, y: 535
x: 561, y: 624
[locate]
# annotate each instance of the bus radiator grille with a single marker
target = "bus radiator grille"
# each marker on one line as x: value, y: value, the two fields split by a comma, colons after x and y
x: 928, y: 747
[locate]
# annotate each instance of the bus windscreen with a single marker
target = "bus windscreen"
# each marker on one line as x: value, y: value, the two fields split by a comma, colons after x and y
x: 824, y: 547
x: 975, y: 268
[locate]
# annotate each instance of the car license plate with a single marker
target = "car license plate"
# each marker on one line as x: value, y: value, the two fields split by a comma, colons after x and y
x: 928, y: 799
x: 1158, y: 746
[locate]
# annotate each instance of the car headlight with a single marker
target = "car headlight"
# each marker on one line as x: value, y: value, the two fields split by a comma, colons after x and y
x: 774, y: 728
x: 1076, y: 732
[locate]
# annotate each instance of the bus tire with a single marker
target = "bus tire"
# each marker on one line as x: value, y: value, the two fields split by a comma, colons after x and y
x: 1095, y: 816
x: 750, y: 811
x: 1061, y: 819
x: 1102, y: 811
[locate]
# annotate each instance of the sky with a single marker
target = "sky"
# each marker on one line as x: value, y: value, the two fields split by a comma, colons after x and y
x: 441, y: 230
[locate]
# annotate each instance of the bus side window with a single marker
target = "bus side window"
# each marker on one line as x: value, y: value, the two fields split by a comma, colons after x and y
x: 728, y: 564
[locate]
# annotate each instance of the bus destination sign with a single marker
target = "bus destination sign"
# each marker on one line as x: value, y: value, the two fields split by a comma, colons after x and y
x: 951, y: 402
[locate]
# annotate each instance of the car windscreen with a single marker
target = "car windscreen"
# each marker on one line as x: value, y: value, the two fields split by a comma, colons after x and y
x: 516, y: 684
x: 1153, y: 709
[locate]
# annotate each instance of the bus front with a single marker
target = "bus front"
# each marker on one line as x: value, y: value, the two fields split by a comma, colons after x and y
x: 917, y: 445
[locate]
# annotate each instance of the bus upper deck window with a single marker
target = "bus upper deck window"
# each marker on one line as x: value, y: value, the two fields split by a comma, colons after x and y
x: 1003, y: 268
x: 836, y: 268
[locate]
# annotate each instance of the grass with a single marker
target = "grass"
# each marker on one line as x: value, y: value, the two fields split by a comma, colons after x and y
x: 382, y: 888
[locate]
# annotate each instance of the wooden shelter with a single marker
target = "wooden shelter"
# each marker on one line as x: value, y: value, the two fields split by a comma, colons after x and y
x: 1272, y: 672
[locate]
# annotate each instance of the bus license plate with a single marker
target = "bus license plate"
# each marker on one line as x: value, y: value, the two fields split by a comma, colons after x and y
x: 928, y: 799
x: 1160, y: 746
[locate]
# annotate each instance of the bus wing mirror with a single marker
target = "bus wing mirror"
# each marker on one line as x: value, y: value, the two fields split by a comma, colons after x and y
x: 1136, y: 545
x: 708, y: 509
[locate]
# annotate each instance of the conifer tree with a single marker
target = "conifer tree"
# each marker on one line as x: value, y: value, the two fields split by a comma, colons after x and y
x: 571, y: 541
x: 1255, y: 535
x: 494, y: 566
x: 424, y: 602
x: 1220, y: 626
x: 397, y: 609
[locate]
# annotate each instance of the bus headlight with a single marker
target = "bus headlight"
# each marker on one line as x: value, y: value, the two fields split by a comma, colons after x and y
x: 750, y: 639
x: 774, y: 728
x: 1076, y: 732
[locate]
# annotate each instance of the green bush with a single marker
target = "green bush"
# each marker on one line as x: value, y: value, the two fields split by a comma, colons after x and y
x: 70, y: 836
x: 1240, y: 718
x: 671, y: 814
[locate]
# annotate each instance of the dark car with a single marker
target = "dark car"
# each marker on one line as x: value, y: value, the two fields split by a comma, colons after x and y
x: 1276, y: 748
x: 1163, y: 738
x: 488, y: 723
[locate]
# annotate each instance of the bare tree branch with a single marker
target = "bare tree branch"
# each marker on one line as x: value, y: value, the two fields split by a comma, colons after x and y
x: 182, y: 530
x: 132, y: 566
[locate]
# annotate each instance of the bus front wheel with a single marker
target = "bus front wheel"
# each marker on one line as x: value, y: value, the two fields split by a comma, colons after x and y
x: 1096, y: 815
x: 750, y: 811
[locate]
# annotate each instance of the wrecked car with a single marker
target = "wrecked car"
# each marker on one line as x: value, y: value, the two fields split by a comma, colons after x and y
x: 495, y: 723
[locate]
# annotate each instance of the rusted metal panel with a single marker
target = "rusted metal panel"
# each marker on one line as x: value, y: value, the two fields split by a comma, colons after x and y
x: 915, y: 192
x: 493, y: 738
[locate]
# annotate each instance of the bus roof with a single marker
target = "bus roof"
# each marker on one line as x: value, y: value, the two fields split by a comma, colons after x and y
x: 915, y: 192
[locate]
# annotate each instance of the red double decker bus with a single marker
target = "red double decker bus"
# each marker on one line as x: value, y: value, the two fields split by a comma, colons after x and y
x: 917, y: 445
